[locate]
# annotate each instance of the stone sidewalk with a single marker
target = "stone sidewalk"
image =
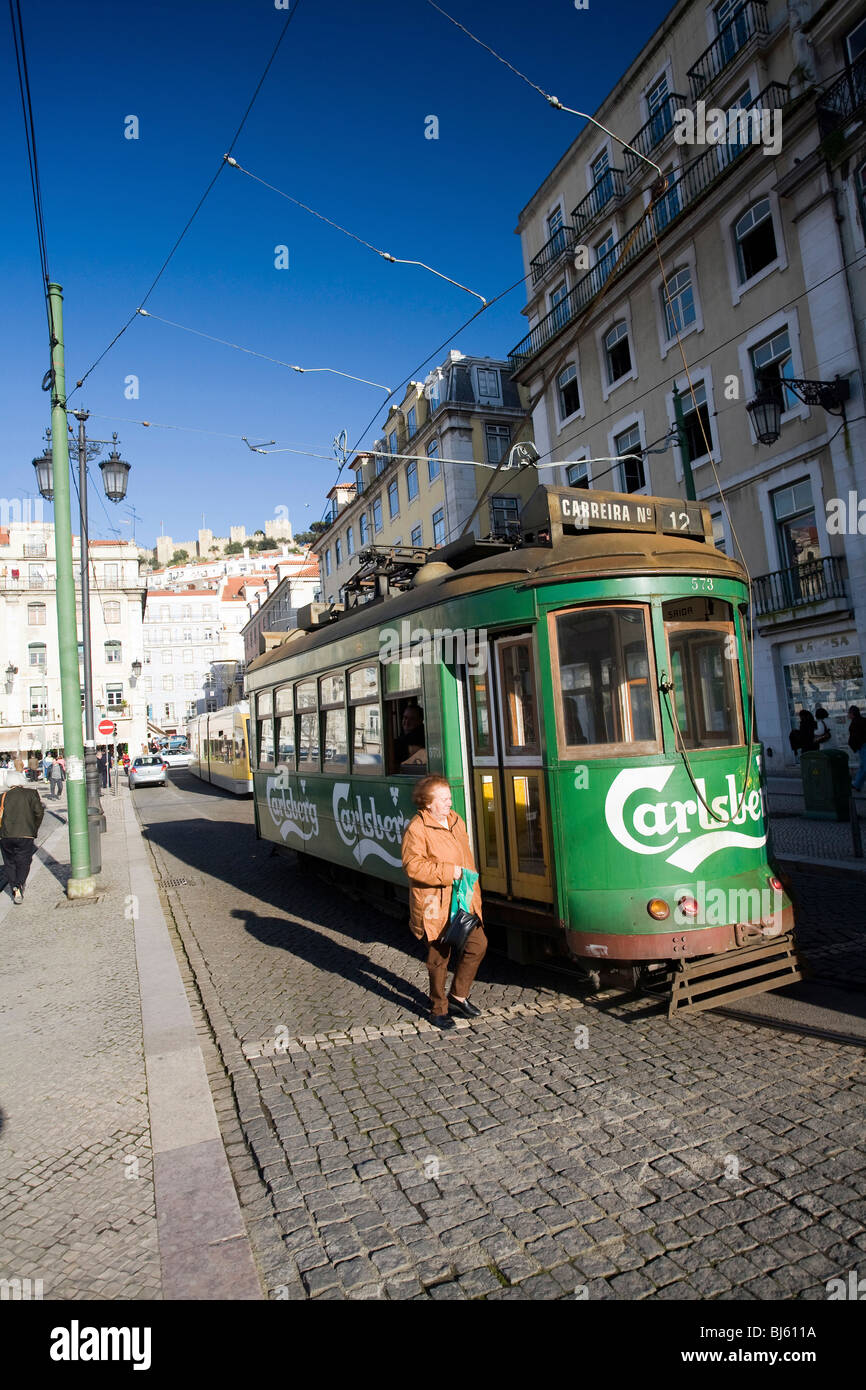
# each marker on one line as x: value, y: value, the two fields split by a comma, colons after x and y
x: 798, y: 839
x: 114, y: 1183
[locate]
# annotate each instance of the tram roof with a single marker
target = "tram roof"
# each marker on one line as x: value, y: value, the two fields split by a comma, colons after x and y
x: 594, y: 555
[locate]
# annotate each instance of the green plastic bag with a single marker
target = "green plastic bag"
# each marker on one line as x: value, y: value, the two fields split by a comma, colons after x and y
x: 462, y: 890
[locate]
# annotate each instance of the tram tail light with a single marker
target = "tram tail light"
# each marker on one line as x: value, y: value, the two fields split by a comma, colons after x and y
x: 776, y: 884
x: 658, y: 908
x: 688, y: 906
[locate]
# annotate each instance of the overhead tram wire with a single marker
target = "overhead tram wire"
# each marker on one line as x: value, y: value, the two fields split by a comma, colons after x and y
x: 32, y: 157
x: 146, y: 313
x: 548, y: 97
x: 197, y: 209
x: 385, y: 255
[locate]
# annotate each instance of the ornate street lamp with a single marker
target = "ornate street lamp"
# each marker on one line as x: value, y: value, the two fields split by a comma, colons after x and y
x: 115, y: 473
x: 136, y: 670
x: 766, y: 409
x: 45, y: 474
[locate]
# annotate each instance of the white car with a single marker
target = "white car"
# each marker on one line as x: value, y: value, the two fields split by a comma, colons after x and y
x: 147, y: 772
x: 180, y: 758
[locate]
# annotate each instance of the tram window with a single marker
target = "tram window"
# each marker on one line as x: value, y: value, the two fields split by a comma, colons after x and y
x: 366, y: 739
x: 519, y: 698
x: 482, y: 726
x: 285, y: 741
x: 283, y: 700
x: 308, y: 742
x: 529, y: 844
x: 332, y: 690
x: 334, y: 743
x: 366, y: 729
x: 266, y: 743
x: 705, y: 674
x: 407, y: 738
x: 604, y: 689
x: 305, y: 695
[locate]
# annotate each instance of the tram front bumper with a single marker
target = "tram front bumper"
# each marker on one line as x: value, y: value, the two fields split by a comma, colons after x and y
x: 678, y: 942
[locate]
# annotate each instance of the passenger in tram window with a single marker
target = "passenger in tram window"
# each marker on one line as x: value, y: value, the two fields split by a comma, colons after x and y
x: 411, y: 747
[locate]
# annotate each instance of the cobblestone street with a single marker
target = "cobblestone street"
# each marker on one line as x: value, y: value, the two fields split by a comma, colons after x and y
x: 558, y: 1145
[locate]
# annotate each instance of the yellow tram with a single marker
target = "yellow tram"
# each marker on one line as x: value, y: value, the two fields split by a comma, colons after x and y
x: 219, y: 746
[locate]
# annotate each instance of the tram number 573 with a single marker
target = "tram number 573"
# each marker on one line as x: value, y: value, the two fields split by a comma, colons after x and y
x: 702, y: 583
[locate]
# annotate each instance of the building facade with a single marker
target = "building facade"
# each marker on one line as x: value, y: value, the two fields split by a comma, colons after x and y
x: 420, y: 483
x: 276, y: 610
x: 30, y: 711
x: 746, y: 263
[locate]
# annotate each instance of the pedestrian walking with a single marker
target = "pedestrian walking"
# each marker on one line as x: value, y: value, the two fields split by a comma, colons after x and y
x: 56, y: 778
x: 857, y: 743
x: 21, y: 813
x: 18, y: 763
x: 102, y: 764
x: 435, y: 853
x: 32, y: 768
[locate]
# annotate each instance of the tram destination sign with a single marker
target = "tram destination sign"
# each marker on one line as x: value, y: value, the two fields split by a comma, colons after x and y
x: 555, y: 510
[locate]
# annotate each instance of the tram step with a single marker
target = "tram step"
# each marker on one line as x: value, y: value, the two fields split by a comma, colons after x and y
x: 709, y: 982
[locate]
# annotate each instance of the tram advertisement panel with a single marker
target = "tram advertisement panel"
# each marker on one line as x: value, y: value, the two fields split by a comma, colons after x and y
x: 357, y: 822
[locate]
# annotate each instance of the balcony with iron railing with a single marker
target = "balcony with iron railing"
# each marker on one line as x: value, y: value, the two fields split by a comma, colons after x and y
x: 653, y: 134
x: 693, y: 181
x: 562, y: 241
x: 845, y: 99
x: 746, y: 29
x: 800, y: 586
x: 22, y: 582
x: 606, y: 190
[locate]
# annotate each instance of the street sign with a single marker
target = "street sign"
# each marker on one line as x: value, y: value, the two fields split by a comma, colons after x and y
x: 106, y: 727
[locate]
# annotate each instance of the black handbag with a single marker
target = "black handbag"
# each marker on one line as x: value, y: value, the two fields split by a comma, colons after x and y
x: 459, y: 929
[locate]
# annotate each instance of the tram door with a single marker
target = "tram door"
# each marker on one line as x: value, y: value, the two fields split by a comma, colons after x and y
x: 511, y: 812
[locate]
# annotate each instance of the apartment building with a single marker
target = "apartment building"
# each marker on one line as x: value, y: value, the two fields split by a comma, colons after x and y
x: 181, y: 641
x: 276, y: 609
x: 31, y: 716
x: 420, y: 483
x: 753, y: 111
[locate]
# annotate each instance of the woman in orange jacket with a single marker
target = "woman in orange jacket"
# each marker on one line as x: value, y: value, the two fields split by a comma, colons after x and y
x: 435, y: 852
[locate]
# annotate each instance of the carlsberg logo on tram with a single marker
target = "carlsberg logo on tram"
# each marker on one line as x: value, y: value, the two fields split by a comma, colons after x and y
x: 640, y: 826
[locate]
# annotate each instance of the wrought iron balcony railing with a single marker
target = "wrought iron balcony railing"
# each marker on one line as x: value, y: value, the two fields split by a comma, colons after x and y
x: 691, y: 184
x: 654, y: 131
x: 813, y: 582
x: 610, y: 186
x: 563, y: 239
x: 844, y: 99
x: 746, y: 23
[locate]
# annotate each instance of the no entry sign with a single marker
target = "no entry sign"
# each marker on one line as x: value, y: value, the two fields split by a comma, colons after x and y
x: 106, y: 727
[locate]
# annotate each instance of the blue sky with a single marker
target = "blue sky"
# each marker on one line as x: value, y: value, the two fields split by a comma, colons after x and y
x: 339, y: 124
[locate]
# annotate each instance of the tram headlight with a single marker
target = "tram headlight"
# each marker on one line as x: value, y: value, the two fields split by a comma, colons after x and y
x: 658, y: 908
x: 688, y: 906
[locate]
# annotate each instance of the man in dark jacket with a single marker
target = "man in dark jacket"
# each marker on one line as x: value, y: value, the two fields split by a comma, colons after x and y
x: 20, y: 819
x: 857, y: 743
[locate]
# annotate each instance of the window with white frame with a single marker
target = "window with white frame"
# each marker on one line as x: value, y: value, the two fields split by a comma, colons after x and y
x: 168, y: 682
x: 36, y: 615
x: 112, y: 612
x: 617, y: 352
x: 568, y: 391
x: 114, y: 696
x: 148, y: 685
x: 393, y: 499
x: 434, y: 467
x: 166, y: 656
x: 189, y: 681
x: 755, y: 240
x: 488, y: 384
x: 377, y: 514
x: 364, y: 527
x: 497, y: 439
x: 350, y: 541
x: 417, y: 537
x: 678, y: 303
x: 599, y: 168
x: 392, y: 441
x: 412, y: 479
x: 772, y: 362
x: 328, y: 561
x: 554, y: 222
x: 109, y: 576
x: 560, y: 311
x: 505, y: 517
x: 656, y: 107
x: 631, y: 467
x: 604, y: 255
x: 338, y: 551
x: 577, y: 474
x: 719, y: 538
x: 37, y: 654
x: 696, y: 422
x: 189, y: 655
x: 439, y: 526
x: 113, y: 652
x: 855, y: 42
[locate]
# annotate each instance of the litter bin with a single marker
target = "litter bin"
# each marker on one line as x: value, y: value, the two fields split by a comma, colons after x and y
x: 826, y: 785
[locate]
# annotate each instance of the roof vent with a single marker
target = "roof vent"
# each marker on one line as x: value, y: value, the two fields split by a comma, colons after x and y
x: 429, y: 573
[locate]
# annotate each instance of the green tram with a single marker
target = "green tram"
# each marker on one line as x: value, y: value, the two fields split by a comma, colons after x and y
x: 586, y: 694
